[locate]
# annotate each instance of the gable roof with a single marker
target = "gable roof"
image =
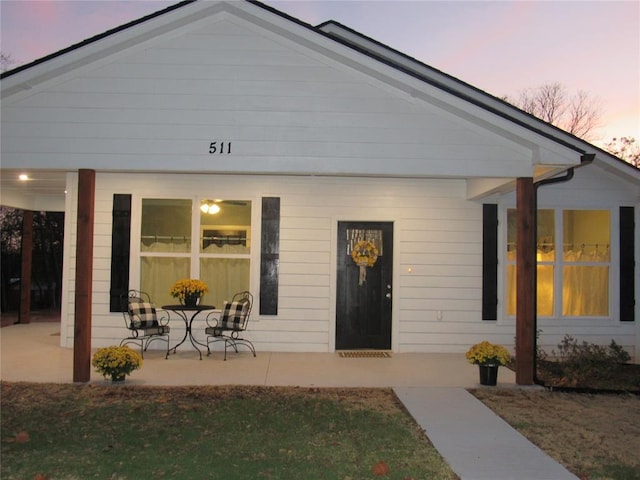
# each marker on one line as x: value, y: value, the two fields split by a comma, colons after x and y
x: 342, y: 44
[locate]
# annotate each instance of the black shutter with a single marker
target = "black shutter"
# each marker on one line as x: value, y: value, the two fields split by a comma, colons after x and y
x: 269, y: 256
x: 627, y: 264
x: 120, y: 250
x: 489, y: 262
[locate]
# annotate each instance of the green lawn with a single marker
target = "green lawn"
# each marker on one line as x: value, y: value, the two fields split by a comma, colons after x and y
x: 61, y: 431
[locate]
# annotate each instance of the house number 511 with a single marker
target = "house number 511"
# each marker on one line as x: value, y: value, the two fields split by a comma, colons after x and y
x: 221, y: 148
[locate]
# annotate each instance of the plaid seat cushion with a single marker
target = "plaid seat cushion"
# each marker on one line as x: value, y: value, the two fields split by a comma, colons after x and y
x: 233, y: 315
x: 143, y: 314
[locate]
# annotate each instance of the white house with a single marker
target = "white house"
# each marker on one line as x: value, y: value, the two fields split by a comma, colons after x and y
x: 310, y: 139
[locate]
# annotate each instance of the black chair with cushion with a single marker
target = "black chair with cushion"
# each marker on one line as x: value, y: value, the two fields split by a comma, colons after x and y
x: 230, y: 323
x: 145, y: 322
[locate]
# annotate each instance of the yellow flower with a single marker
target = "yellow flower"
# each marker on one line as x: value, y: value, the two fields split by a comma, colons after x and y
x: 116, y: 360
x: 188, y: 287
x: 485, y: 353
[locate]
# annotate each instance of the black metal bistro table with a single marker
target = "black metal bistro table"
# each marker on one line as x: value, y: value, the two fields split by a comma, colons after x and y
x: 188, y: 314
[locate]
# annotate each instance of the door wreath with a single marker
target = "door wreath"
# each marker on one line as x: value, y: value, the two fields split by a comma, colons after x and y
x: 364, y: 254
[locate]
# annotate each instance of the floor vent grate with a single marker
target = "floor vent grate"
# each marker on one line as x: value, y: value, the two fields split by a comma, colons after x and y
x: 365, y: 354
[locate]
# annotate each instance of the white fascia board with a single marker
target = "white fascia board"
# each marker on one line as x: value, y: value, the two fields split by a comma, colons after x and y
x: 541, y: 149
x: 555, y: 155
x: 617, y: 167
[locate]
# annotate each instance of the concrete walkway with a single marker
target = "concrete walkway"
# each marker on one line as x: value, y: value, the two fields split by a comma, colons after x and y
x: 476, y: 443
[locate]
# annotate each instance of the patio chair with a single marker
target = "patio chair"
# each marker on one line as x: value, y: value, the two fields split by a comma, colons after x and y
x: 229, y: 324
x: 145, y: 322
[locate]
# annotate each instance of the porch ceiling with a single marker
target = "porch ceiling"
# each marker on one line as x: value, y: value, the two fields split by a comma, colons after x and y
x: 44, y: 190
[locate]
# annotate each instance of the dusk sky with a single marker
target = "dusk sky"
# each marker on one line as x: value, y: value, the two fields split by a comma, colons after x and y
x: 500, y: 47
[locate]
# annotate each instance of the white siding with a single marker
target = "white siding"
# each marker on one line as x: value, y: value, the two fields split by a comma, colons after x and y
x: 437, y: 256
x: 437, y: 260
x: 284, y: 107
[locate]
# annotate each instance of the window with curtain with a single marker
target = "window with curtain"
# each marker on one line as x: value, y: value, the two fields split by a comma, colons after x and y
x: 578, y: 267
x: 224, y: 247
x: 217, y: 253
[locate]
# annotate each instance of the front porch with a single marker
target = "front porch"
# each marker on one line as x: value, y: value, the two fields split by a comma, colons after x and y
x: 31, y: 353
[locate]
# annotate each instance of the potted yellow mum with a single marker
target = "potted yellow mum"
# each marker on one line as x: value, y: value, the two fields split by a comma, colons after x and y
x: 189, y: 291
x: 116, y: 362
x: 488, y: 357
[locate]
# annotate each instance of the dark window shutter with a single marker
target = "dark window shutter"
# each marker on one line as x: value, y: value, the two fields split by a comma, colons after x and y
x: 489, y: 262
x: 627, y: 264
x: 269, y: 256
x: 120, y: 250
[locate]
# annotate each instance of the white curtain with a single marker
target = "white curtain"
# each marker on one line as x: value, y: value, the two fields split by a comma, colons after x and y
x: 585, y: 289
x: 225, y: 277
x: 157, y: 275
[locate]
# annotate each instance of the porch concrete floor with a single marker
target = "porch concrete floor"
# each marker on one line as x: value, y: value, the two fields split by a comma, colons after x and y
x: 31, y: 353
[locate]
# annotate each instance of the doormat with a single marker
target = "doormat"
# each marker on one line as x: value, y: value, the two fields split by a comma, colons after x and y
x: 365, y: 354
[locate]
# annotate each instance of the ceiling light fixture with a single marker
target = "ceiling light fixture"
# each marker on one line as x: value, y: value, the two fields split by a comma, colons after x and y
x: 209, y: 207
x: 23, y: 177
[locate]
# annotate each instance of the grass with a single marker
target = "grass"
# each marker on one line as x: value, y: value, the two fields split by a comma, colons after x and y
x: 597, y: 437
x: 62, y: 431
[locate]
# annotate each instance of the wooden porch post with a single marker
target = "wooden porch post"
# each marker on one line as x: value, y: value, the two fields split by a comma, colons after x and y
x: 525, y: 282
x: 26, y: 255
x: 84, y: 276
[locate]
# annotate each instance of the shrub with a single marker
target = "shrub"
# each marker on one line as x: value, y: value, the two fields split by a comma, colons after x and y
x: 587, y: 360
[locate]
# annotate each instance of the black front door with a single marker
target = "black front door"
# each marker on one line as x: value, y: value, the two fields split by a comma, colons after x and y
x: 364, y: 289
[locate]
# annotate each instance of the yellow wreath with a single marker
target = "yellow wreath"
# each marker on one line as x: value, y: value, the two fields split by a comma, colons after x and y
x: 364, y: 253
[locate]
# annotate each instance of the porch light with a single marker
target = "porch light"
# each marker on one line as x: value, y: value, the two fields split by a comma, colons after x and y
x: 209, y: 207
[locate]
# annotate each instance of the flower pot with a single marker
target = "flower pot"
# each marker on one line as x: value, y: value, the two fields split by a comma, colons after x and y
x: 118, y: 377
x: 191, y: 300
x: 488, y: 374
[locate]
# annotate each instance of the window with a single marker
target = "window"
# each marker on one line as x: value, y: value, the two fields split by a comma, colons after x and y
x: 579, y: 268
x: 184, y: 238
x: 585, y: 270
x: 225, y: 247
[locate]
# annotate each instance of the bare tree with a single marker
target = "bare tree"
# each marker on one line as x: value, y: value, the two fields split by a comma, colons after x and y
x: 627, y: 148
x: 578, y: 114
x: 547, y: 102
x: 583, y: 114
x: 5, y: 61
